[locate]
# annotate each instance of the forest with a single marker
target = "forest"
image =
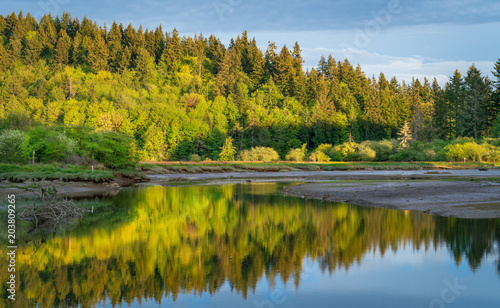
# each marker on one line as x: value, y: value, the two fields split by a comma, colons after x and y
x: 74, y: 91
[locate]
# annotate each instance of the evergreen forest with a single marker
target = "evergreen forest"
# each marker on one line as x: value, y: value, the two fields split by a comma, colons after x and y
x: 74, y: 91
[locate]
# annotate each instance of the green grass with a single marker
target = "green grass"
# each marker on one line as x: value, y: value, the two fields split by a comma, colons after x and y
x: 38, y: 172
x: 218, y: 167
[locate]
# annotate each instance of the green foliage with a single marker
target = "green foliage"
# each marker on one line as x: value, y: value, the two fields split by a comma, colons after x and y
x: 471, y: 151
x: 38, y: 172
x: 365, y: 152
x: 181, y: 96
x: 259, y: 154
x: 495, y: 128
x: 422, y: 151
x: 13, y: 146
x: 347, y: 151
x: 51, y: 146
x: 299, y: 154
x: 228, y: 151
x: 319, y: 156
x: 114, y: 150
x: 195, y: 158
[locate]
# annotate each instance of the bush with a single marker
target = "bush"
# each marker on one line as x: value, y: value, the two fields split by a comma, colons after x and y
x: 113, y: 149
x: 259, y: 154
x: 195, y: 158
x: 346, y: 151
x: 383, y: 149
x: 297, y: 154
x: 13, y: 146
x: 472, y: 151
x: 365, y: 152
x: 327, y: 149
x: 319, y: 156
x: 51, y: 145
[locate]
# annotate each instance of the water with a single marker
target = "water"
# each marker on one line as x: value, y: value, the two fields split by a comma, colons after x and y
x: 247, y: 246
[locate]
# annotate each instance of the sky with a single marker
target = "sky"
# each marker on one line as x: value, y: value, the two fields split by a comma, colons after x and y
x: 401, y: 38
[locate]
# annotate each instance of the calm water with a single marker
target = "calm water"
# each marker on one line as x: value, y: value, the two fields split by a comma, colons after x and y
x: 247, y: 246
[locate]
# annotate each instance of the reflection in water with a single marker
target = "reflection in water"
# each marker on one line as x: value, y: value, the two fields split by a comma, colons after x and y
x: 196, y: 239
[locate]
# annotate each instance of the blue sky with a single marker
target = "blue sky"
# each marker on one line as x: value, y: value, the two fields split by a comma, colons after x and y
x: 401, y: 38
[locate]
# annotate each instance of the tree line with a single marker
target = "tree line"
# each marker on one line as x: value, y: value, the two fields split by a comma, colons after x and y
x: 176, y: 96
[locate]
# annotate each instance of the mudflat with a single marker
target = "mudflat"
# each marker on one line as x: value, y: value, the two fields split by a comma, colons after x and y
x: 464, y: 199
x: 457, y: 193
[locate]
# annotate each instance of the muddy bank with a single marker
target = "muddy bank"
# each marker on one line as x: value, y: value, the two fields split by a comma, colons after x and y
x: 72, y: 189
x: 319, y: 176
x: 446, y: 193
x: 462, y: 199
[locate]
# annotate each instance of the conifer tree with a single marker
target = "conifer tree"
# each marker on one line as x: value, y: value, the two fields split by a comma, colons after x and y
x: 62, y: 50
x: 283, y: 76
x: 97, y: 56
x: 228, y: 151
x: 476, y: 102
x: 32, y: 48
x: 114, y: 44
x: 405, y: 136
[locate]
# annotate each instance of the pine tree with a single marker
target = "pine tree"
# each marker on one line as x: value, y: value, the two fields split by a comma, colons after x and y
x: 228, y: 151
x: 62, y: 50
x: 32, y: 48
x: 405, y: 136
x: 476, y: 103
x: 284, y: 72
x: 159, y: 43
x: 97, y: 57
x: 256, y: 64
x: 115, y: 45
x: 270, y: 57
x: 454, y: 94
x: 172, y: 52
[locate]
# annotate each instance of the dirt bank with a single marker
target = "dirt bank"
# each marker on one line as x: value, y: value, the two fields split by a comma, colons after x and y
x: 462, y: 199
x: 446, y: 193
x: 73, y: 189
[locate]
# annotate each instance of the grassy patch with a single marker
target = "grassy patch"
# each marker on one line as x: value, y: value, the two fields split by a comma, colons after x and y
x: 219, y: 167
x: 39, y: 172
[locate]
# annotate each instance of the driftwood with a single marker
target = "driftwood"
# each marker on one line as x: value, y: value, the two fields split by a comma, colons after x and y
x: 50, y: 211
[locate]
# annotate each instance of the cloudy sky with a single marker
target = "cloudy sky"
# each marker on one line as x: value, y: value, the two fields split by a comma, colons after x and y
x: 401, y: 38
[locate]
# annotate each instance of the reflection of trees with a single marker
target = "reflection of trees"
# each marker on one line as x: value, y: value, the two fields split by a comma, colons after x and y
x: 196, y: 238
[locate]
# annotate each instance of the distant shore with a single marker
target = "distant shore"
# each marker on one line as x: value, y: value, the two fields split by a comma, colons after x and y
x: 464, y: 193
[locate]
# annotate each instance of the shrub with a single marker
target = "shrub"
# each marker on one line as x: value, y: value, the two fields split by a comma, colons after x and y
x: 327, y: 149
x: 365, y: 152
x: 259, y: 154
x: 384, y: 148
x: 472, y: 151
x: 297, y: 154
x: 346, y: 151
x: 13, y: 146
x: 319, y: 156
x: 51, y: 145
x: 195, y: 158
x: 115, y: 150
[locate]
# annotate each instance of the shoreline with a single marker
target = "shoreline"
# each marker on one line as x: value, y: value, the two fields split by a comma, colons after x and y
x: 468, y: 193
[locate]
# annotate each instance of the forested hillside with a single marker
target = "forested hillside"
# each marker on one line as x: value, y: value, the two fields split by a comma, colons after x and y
x: 170, y: 97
